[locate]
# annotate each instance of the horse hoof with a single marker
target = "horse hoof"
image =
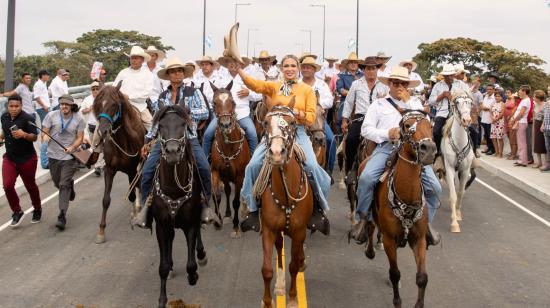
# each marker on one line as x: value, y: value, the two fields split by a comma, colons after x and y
x: 235, y: 234
x: 202, y: 262
x: 369, y: 253
x: 455, y: 228
x: 292, y: 303
x: 171, y: 275
x: 192, y: 278
x: 279, y: 291
x: 100, y: 239
x: 227, y: 220
x: 379, y: 246
x: 263, y: 305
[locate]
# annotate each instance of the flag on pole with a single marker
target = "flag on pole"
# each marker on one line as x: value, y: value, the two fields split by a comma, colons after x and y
x: 209, y: 41
x: 351, y: 44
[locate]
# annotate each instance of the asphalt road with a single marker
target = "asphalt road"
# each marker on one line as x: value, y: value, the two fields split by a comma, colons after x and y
x: 501, y: 259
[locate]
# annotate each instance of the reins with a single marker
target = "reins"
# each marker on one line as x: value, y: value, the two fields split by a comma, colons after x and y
x: 112, y: 121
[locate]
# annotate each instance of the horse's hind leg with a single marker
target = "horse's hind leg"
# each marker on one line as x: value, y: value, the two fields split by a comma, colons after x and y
x: 280, y: 280
x: 201, y: 252
x: 391, y: 251
x: 450, y: 178
x: 369, y: 250
x: 236, y: 233
x: 296, y: 262
x: 108, y: 176
x: 421, y: 274
x: 132, y: 195
x: 227, y: 189
x: 191, y: 236
x: 464, y: 178
x: 164, y: 266
x: 268, y: 239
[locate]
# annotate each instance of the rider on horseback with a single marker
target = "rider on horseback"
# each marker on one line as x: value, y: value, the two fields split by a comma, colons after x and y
x: 304, y: 110
x: 381, y: 125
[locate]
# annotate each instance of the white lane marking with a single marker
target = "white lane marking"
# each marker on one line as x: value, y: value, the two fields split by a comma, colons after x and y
x: 45, y: 200
x: 521, y: 207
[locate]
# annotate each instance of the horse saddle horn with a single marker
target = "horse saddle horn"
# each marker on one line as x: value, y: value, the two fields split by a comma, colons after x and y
x: 233, y: 49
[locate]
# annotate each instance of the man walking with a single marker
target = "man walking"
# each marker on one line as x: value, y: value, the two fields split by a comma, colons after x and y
x: 59, y: 87
x: 20, y: 158
x: 25, y: 93
x: 40, y: 92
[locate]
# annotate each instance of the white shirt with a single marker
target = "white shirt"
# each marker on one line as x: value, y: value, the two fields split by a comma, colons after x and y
x: 326, y: 71
x: 487, y: 102
x: 215, y: 78
x: 326, y: 100
x: 382, y: 116
x: 385, y: 72
x: 443, y: 105
x: 89, y: 117
x: 415, y: 76
x: 526, y: 102
x: 271, y: 74
x: 40, y: 90
x: 137, y: 84
x: 58, y: 88
x: 242, y: 105
x: 361, y: 96
x: 158, y: 85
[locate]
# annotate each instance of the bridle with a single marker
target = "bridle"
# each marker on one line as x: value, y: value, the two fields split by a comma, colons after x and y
x: 288, y: 130
x: 225, y: 131
x: 115, y: 121
x: 461, y: 154
x: 407, y: 134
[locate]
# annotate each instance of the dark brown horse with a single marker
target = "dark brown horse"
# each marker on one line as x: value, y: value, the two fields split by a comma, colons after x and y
x: 399, y: 209
x: 318, y: 137
x: 176, y: 195
x: 122, y: 136
x: 287, y: 201
x: 230, y: 154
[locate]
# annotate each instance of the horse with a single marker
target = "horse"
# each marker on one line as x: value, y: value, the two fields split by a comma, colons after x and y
x: 122, y: 135
x: 399, y: 211
x: 458, y: 154
x: 287, y: 201
x: 259, y: 115
x: 318, y: 137
x: 230, y: 154
x: 176, y: 195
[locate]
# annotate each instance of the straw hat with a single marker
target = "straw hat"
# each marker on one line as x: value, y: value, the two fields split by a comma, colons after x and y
x: 139, y: 52
x: 223, y: 61
x: 459, y: 68
x: 351, y: 57
x: 205, y: 59
x: 171, y: 63
x: 383, y: 57
x: 329, y: 59
x: 265, y: 55
x: 409, y: 61
x: 153, y: 50
x: 190, y: 64
x: 448, y: 69
x: 309, y: 60
x: 307, y: 54
x: 400, y: 73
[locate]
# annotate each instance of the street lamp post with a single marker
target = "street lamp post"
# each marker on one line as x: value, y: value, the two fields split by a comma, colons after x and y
x: 204, y: 28
x: 8, y: 74
x: 248, y: 38
x: 236, y: 5
x: 357, y: 31
x: 256, y: 44
x: 301, y: 47
x: 307, y: 30
x: 324, y: 23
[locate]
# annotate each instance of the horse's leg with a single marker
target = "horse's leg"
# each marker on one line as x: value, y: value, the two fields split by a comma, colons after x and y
x: 108, y: 175
x: 464, y: 177
x: 236, y: 233
x: 227, y: 189
x: 164, y: 266
x: 379, y: 245
x: 201, y: 252
x: 170, y: 234
x: 369, y: 250
x: 191, y: 236
x: 351, y: 188
x: 280, y: 280
x: 268, y: 240
x: 216, y: 193
x: 297, y: 261
x: 391, y: 251
x: 421, y: 274
x: 450, y: 179
x: 132, y: 195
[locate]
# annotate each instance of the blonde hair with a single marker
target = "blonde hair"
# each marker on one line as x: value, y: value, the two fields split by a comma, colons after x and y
x: 293, y: 57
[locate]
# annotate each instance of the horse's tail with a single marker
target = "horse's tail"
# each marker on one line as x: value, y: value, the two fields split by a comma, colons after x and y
x: 472, y: 178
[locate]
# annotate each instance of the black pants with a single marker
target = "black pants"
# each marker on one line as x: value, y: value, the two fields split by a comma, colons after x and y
x: 487, y: 136
x: 353, y: 140
x: 474, y: 136
x: 439, y: 122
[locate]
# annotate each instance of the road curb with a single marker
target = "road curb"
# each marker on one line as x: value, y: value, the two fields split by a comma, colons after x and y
x: 521, y: 183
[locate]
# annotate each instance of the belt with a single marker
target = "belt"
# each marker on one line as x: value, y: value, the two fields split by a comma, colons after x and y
x: 358, y: 117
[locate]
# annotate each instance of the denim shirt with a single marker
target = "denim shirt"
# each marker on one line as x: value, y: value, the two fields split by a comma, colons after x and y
x: 345, y: 80
x: 195, y: 103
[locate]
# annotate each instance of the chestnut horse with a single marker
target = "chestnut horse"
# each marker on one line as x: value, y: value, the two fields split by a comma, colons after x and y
x: 259, y: 115
x: 318, y: 137
x: 287, y: 201
x: 122, y: 135
x: 399, y: 209
x: 176, y: 195
x: 230, y: 154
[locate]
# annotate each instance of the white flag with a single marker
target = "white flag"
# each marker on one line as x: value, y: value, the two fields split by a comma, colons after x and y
x: 351, y: 44
x: 208, y: 41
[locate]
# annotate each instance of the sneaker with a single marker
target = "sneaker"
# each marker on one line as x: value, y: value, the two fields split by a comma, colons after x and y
x: 17, y: 218
x: 61, y: 221
x: 36, y: 216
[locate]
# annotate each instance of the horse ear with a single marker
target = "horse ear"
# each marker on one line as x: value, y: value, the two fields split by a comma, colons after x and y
x: 229, y: 86
x: 292, y: 102
x: 119, y: 85
x: 214, y: 88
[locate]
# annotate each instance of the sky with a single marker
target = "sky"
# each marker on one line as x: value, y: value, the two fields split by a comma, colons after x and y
x: 394, y: 26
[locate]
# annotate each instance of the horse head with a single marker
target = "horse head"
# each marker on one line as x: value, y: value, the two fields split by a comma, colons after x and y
x: 280, y: 128
x: 172, y: 122
x: 108, y: 106
x: 416, y: 134
x: 224, y: 107
x: 317, y: 129
x: 462, y: 107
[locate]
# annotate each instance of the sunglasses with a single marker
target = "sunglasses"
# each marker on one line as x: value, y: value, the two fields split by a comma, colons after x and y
x: 397, y: 83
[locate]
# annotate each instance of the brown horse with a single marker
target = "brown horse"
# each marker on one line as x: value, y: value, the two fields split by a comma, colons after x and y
x: 259, y: 116
x: 399, y: 209
x: 287, y: 201
x: 318, y: 137
x: 230, y: 154
x: 122, y: 135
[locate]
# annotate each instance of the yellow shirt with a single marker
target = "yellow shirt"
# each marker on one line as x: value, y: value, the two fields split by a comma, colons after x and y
x: 305, y: 99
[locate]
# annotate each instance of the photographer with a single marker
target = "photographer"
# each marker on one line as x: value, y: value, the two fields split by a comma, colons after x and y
x: 20, y: 158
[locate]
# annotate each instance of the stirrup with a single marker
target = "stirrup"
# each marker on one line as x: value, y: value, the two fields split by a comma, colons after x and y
x: 319, y: 222
x: 251, y: 222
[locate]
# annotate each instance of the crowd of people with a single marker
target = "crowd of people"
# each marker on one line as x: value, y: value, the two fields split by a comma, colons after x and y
x: 352, y: 92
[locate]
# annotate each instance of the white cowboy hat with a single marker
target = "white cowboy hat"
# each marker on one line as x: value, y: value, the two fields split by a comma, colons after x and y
x: 448, y: 69
x: 191, y: 63
x: 139, y: 52
x: 433, y: 78
x: 171, y: 63
x: 309, y: 60
x: 205, y: 59
x: 409, y: 61
x: 459, y: 68
x: 160, y: 54
x: 382, y: 56
x: 351, y: 57
x: 400, y: 73
x: 331, y: 59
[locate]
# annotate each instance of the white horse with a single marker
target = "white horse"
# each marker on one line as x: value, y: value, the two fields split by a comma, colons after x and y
x: 457, y: 153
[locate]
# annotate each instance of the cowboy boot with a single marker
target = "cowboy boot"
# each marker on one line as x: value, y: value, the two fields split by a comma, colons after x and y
x: 432, y: 237
x: 141, y: 219
x: 251, y: 222
x: 207, y: 215
x: 358, y: 231
x: 318, y: 221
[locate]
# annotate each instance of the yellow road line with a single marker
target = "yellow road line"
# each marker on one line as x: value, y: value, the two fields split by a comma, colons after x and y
x: 281, y: 299
x: 301, y: 288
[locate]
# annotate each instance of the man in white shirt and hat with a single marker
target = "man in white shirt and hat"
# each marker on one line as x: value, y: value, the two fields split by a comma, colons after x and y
x: 410, y: 65
x: 59, y: 87
x: 205, y: 76
x: 267, y: 70
x: 381, y: 125
x: 157, y: 56
x: 384, y: 70
x: 328, y: 70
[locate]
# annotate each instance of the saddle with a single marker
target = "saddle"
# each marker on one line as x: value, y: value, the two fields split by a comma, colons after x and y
x: 369, y: 146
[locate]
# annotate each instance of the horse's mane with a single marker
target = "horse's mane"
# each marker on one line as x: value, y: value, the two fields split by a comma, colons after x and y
x: 455, y: 93
x: 109, y: 97
x: 183, y: 112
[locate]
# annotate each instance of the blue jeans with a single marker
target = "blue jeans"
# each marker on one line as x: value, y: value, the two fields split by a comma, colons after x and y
x: 41, y: 113
x: 153, y: 160
x: 374, y: 169
x: 245, y: 123
x: 331, y: 148
x: 317, y: 176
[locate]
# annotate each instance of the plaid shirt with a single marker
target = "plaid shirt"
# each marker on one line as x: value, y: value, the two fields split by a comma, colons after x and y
x: 546, y: 112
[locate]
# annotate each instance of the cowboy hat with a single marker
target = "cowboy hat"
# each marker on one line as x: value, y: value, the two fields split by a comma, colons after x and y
x: 171, y: 63
x: 409, y: 61
x: 459, y: 68
x: 382, y: 56
x: 372, y: 61
x: 192, y: 64
x: 351, y: 57
x: 399, y: 73
x: 139, y: 52
x: 448, y: 69
x: 433, y: 78
x: 309, y: 60
x: 153, y: 50
x: 307, y: 54
x: 333, y: 59
x: 205, y: 59
x: 265, y: 55
x: 223, y: 61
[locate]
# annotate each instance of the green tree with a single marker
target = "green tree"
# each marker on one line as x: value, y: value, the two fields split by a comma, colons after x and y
x: 514, y: 68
